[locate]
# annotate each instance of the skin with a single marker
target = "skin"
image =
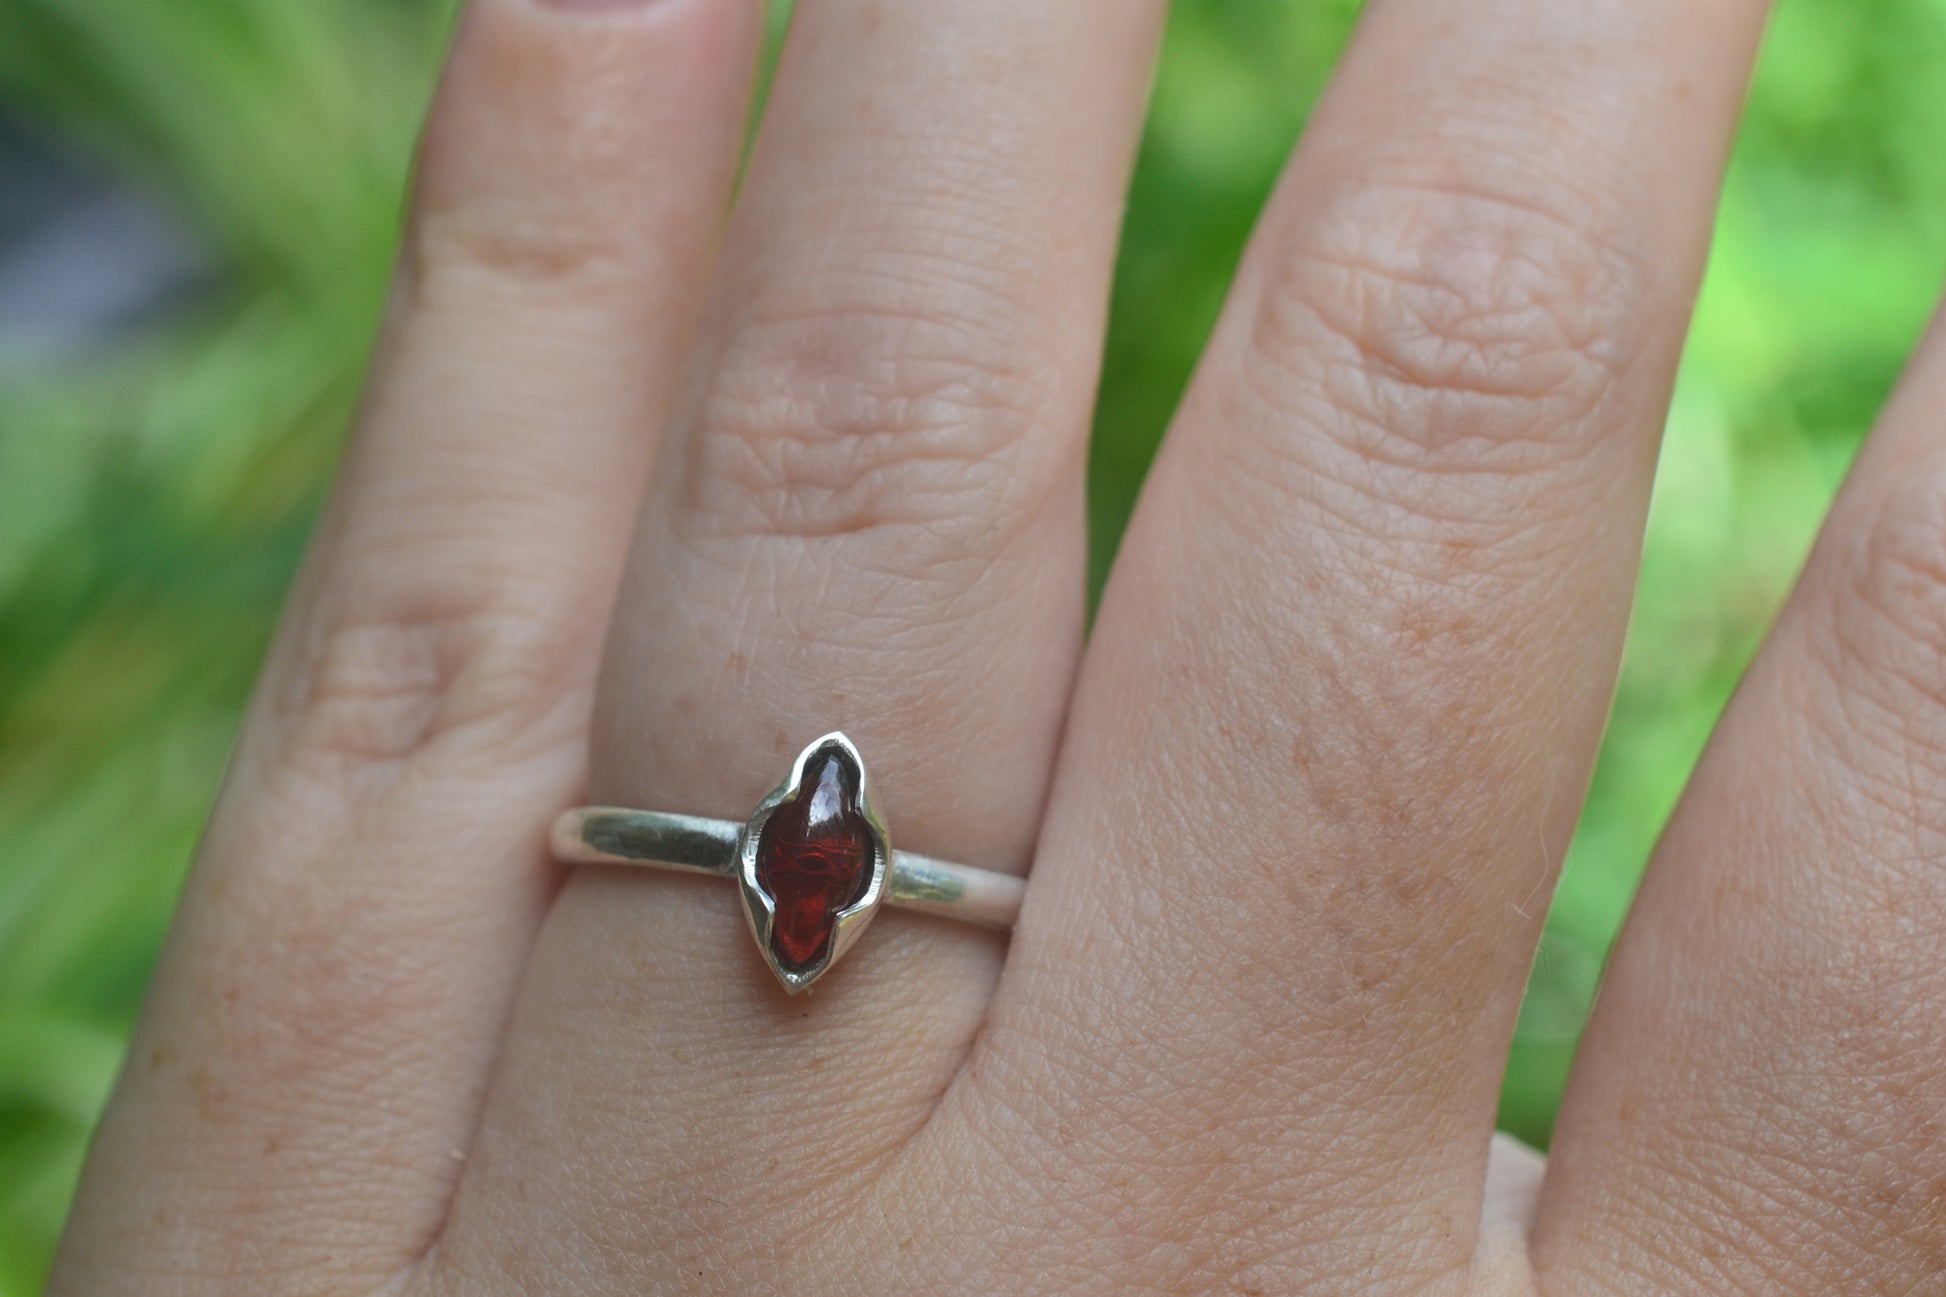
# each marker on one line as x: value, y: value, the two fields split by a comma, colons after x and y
x: 1292, y: 814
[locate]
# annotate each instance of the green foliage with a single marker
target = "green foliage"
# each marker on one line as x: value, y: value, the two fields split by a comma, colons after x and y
x: 153, y: 501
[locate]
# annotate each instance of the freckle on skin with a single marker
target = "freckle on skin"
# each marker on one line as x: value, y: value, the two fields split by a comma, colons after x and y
x: 210, y: 1096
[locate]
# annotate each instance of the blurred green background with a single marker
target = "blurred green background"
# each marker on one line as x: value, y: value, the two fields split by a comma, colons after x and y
x: 159, y: 468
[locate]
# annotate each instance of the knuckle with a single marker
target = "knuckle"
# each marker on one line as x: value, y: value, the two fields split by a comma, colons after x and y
x: 1449, y: 326
x: 462, y: 254
x: 843, y: 422
x: 567, y: 196
x: 370, y: 690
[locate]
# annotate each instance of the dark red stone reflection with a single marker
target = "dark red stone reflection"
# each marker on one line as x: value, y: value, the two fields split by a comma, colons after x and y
x: 814, y: 858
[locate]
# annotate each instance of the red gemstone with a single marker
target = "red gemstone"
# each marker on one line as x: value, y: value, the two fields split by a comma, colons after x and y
x: 814, y: 858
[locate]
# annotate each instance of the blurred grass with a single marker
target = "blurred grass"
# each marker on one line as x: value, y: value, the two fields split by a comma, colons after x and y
x: 154, y: 498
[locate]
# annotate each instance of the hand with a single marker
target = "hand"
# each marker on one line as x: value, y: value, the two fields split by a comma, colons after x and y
x: 1292, y: 817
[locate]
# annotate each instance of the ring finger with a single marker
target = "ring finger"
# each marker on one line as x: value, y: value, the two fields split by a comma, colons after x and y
x: 869, y: 516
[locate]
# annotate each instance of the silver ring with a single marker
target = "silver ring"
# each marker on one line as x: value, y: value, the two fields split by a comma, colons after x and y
x: 813, y: 862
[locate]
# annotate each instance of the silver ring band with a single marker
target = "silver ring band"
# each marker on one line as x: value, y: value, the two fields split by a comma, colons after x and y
x: 813, y: 862
x: 694, y: 844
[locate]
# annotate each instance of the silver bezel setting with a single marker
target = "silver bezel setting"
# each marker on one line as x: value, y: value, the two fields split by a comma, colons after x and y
x: 760, y: 909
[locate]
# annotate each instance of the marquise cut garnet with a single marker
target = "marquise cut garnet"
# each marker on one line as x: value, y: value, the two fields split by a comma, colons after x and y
x: 814, y: 858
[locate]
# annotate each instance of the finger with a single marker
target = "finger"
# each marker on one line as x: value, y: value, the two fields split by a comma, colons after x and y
x: 1759, y: 1102
x: 1346, y: 683
x: 318, y: 1031
x: 870, y: 519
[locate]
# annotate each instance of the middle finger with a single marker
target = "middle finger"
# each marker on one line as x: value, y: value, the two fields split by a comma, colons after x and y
x: 1371, y: 604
